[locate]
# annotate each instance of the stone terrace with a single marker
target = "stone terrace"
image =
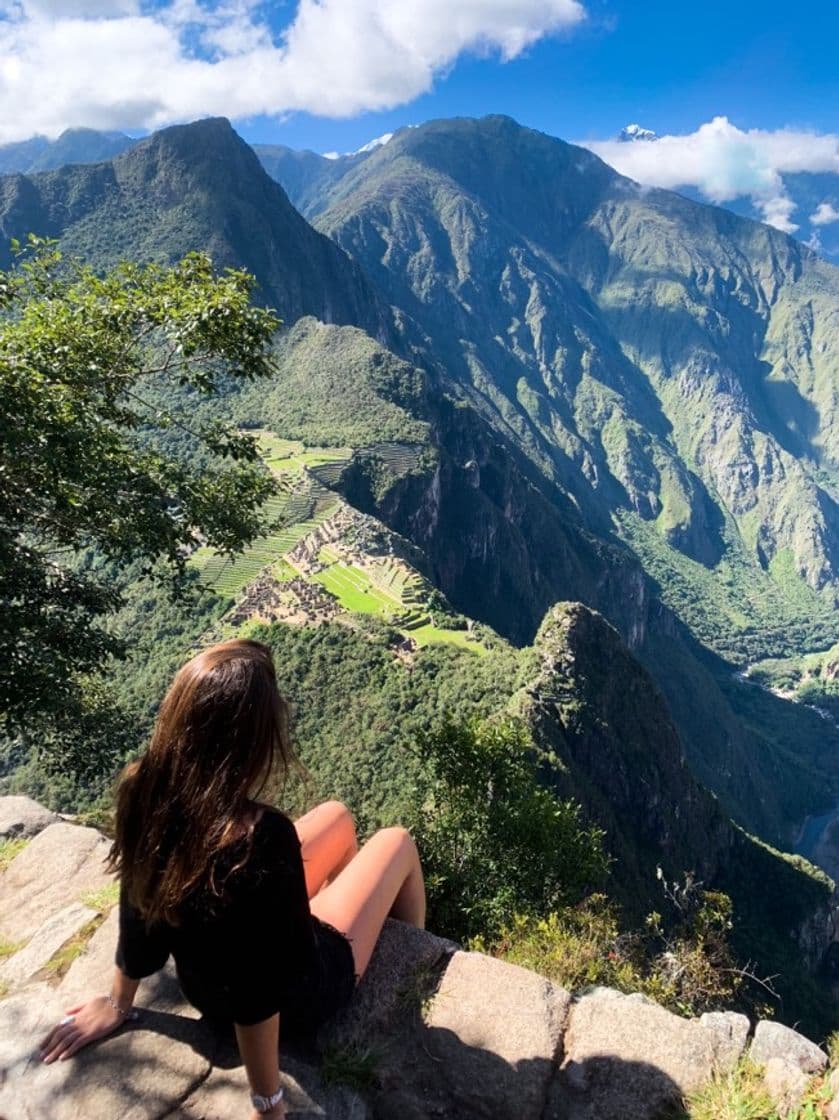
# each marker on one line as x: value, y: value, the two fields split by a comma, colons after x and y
x: 433, y: 1032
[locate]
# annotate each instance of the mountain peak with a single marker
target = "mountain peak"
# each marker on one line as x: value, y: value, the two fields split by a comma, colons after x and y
x: 634, y: 132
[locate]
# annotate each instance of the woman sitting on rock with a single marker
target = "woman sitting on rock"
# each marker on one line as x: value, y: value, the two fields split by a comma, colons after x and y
x: 266, y: 919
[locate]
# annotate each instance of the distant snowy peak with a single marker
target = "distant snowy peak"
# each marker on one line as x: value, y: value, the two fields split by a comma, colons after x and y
x: 371, y: 145
x: 365, y: 149
x: 634, y: 132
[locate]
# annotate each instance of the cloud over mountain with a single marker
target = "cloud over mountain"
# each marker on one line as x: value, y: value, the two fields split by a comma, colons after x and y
x: 120, y: 63
x: 725, y: 162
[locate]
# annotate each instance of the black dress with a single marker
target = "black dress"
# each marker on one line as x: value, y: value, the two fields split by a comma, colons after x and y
x: 256, y: 950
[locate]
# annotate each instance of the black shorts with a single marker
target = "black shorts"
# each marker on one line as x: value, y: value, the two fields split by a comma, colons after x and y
x: 331, y: 990
x: 314, y: 998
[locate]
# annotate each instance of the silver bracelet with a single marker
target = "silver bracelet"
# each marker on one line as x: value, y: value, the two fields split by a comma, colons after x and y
x: 127, y: 1012
x: 265, y: 1104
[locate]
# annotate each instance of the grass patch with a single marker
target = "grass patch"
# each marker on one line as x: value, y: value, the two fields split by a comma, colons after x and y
x: 103, y: 900
x: 739, y: 1094
x: 352, y: 1065
x: 434, y: 635
x: 355, y: 591
x: 736, y: 1095
x: 9, y: 850
x: 57, y: 967
x: 8, y: 948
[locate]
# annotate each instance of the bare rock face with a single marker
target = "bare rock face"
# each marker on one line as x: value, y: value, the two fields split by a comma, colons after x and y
x: 786, y: 1083
x: 21, y: 817
x: 732, y: 1030
x: 433, y: 1033
x: 629, y: 1058
x: 774, y: 1040
x: 45, y: 943
x: 136, y: 1074
x: 58, y: 867
x: 499, y: 1063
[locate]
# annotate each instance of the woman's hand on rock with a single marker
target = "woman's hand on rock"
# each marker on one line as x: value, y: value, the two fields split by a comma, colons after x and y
x: 81, y: 1025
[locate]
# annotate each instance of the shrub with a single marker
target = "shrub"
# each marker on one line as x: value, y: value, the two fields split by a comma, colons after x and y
x: 494, y: 841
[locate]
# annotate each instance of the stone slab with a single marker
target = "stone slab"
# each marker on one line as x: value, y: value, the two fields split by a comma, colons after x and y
x: 630, y: 1059
x: 135, y: 1074
x: 785, y: 1083
x: 774, y: 1040
x: 58, y: 867
x: 44, y: 943
x: 405, y: 968
x: 225, y: 1094
x: 733, y: 1031
x: 21, y: 817
x: 495, y: 1031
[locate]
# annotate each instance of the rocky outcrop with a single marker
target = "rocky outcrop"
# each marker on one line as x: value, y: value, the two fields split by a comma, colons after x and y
x: 21, y: 817
x: 432, y: 1031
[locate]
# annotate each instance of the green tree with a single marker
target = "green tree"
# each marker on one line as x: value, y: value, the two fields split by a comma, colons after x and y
x: 494, y: 841
x: 96, y: 471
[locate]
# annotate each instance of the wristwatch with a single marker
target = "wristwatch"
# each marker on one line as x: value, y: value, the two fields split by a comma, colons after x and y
x: 265, y: 1104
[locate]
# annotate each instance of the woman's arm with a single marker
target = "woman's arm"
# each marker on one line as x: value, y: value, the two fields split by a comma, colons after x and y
x: 259, y: 1049
x: 91, y: 1020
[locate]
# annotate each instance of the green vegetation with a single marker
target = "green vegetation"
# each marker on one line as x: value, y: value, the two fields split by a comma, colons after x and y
x: 811, y: 679
x: 733, y: 608
x: 352, y: 1065
x: 7, y: 948
x: 689, y: 968
x: 737, y: 1094
x: 104, y: 899
x: 335, y: 386
x: 9, y: 849
x: 59, y: 963
x: 740, y: 1094
x: 493, y: 839
x: 85, y: 464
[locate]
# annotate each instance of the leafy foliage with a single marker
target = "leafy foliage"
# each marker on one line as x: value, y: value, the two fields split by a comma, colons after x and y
x: 493, y: 839
x: 688, y: 967
x: 85, y: 462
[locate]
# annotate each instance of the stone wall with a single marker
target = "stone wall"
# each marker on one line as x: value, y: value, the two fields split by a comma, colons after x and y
x: 433, y: 1032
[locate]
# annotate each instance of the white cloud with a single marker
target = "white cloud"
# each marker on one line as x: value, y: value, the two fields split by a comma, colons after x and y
x: 825, y: 213
x: 119, y: 64
x: 725, y: 162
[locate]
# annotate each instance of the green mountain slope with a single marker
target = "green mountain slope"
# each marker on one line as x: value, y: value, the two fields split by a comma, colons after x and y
x: 194, y: 187
x: 652, y: 356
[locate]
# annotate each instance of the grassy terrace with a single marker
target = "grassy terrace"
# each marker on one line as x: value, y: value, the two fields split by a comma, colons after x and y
x: 296, y: 509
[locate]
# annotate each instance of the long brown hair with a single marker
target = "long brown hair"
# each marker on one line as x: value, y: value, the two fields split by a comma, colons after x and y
x: 221, y: 732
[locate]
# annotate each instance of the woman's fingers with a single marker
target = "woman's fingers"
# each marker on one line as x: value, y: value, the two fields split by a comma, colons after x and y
x: 60, y: 1046
x: 75, y: 1045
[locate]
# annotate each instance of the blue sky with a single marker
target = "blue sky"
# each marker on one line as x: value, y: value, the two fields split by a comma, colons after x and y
x: 742, y: 94
x: 668, y: 65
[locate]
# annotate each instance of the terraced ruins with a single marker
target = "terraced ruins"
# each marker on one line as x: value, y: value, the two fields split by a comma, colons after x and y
x: 324, y: 560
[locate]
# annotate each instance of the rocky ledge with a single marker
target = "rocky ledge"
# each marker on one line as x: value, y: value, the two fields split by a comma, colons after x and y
x: 433, y: 1032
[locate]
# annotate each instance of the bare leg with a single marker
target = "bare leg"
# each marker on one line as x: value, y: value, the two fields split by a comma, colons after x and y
x: 384, y: 879
x: 328, y: 843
